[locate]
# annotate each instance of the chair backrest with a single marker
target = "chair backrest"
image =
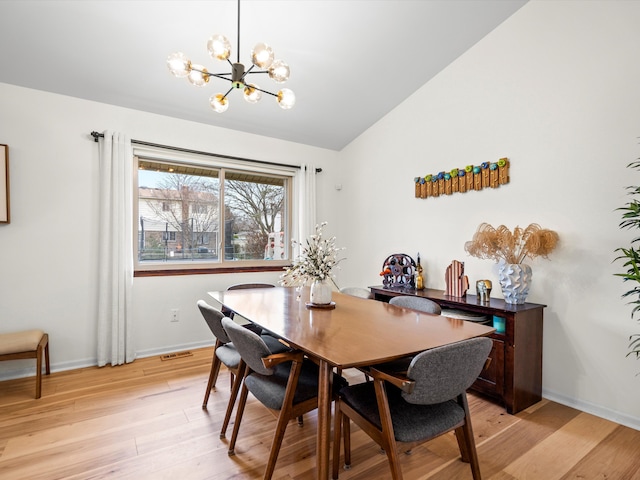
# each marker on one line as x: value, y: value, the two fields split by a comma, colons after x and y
x: 239, y: 286
x: 416, y: 303
x: 213, y: 317
x: 357, y: 292
x: 249, y: 345
x: 442, y: 373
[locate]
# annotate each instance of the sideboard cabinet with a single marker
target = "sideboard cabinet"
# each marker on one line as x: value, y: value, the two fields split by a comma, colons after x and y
x: 514, y: 375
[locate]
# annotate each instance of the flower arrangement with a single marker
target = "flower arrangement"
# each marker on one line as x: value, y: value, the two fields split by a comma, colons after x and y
x: 512, y: 247
x: 317, y: 260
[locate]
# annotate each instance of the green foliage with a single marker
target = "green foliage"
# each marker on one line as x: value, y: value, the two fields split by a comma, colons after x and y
x: 631, y: 257
x: 634, y: 346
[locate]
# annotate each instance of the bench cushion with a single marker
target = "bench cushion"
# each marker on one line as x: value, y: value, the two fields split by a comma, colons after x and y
x: 17, y: 342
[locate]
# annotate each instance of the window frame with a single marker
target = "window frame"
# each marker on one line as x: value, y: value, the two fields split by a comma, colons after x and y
x: 223, y: 164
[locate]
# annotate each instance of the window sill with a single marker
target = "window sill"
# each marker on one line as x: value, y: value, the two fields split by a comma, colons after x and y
x: 207, y: 271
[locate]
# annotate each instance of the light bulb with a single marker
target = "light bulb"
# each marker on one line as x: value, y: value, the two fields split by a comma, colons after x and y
x: 179, y: 65
x: 198, y: 76
x: 219, y: 103
x: 286, y: 99
x: 279, y: 71
x: 262, y: 55
x: 219, y: 47
x: 252, y: 95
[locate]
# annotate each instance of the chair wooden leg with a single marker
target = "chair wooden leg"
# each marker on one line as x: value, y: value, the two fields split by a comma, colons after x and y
x: 213, y: 374
x: 42, y: 350
x: 462, y: 444
x: 466, y: 442
x: 283, y: 418
x: 346, y: 427
x: 232, y: 398
x: 46, y: 356
x: 39, y: 355
x: 244, y: 393
x: 388, y: 435
x: 341, y: 421
x: 281, y: 428
x: 337, y: 423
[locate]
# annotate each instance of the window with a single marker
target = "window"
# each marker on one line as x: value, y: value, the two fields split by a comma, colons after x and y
x: 193, y: 214
x: 199, y: 208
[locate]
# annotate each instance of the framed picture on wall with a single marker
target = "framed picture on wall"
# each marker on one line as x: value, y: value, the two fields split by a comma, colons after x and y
x: 4, y: 183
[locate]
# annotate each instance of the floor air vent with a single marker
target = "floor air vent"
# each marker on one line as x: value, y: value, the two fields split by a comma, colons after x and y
x: 173, y: 356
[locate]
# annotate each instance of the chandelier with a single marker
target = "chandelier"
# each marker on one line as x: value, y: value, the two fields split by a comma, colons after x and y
x: 219, y: 47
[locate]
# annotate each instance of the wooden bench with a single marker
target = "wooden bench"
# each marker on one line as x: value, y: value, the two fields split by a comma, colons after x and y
x: 27, y: 344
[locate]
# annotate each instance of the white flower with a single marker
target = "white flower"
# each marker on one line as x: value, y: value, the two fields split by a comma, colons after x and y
x: 316, y: 262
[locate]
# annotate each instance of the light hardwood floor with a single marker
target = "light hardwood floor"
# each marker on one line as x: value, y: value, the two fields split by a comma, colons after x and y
x: 144, y: 421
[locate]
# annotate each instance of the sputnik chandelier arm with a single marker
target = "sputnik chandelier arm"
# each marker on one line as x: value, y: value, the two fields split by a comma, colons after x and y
x: 219, y: 48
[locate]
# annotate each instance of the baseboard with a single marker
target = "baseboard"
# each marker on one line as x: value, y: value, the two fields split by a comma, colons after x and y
x: 92, y: 362
x: 174, y: 348
x: 593, y: 409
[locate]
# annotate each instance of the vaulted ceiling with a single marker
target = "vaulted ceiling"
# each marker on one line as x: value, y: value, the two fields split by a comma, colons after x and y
x: 352, y: 61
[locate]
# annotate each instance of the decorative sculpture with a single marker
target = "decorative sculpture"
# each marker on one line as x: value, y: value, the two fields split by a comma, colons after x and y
x: 456, y: 281
x: 483, y: 291
x: 398, y: 271
x: 471, y: 177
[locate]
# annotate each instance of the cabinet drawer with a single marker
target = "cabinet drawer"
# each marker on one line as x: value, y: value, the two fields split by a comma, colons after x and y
x: 491, y: 379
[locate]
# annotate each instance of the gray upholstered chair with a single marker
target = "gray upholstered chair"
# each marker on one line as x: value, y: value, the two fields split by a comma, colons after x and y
x: 226, y: 354
x: 400, y: 412
x: 286, y: 383
x: 239, y: 286
x: 416, y: 303
x: 357, y: 292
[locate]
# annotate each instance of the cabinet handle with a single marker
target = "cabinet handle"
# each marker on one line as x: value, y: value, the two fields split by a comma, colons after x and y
x: 487, y: 363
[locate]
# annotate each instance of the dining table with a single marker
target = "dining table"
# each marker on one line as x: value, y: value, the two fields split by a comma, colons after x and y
x: 350, y: 332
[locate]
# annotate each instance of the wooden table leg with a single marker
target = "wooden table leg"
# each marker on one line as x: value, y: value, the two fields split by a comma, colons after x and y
x: 324, y: 420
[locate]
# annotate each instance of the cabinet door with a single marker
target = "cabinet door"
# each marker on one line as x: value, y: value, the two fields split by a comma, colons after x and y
x: 491, y: 379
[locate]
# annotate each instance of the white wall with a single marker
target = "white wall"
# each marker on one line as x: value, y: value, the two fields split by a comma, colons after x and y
x: 48, y: 251
x: 556, y: 89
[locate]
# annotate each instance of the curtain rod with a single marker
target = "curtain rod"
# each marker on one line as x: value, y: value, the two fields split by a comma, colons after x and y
x: 97, y: 135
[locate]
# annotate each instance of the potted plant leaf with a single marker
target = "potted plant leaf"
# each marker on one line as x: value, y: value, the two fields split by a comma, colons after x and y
x: 631, y: 257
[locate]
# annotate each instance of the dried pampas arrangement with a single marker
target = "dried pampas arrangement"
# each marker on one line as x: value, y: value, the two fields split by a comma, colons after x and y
x: 512, y: 247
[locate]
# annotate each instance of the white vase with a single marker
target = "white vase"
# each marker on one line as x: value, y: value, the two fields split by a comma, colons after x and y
x: 515, y: 280
x: 320, y: 292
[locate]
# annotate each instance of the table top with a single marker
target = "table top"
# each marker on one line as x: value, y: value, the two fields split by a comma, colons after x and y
x: 358, y: 332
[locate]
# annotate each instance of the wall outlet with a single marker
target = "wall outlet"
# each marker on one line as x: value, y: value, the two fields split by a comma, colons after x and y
x: 175, y: 315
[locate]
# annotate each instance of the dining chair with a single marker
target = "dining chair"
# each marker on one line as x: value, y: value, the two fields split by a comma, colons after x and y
x: 239, y: 286
x: 286, y: 383
x: 400, y: 412
x: 226, y: 354
x: 416, y: 303
x: 357, y: 292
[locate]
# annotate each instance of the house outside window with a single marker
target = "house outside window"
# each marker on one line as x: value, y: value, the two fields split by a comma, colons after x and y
x: 199, y: 214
